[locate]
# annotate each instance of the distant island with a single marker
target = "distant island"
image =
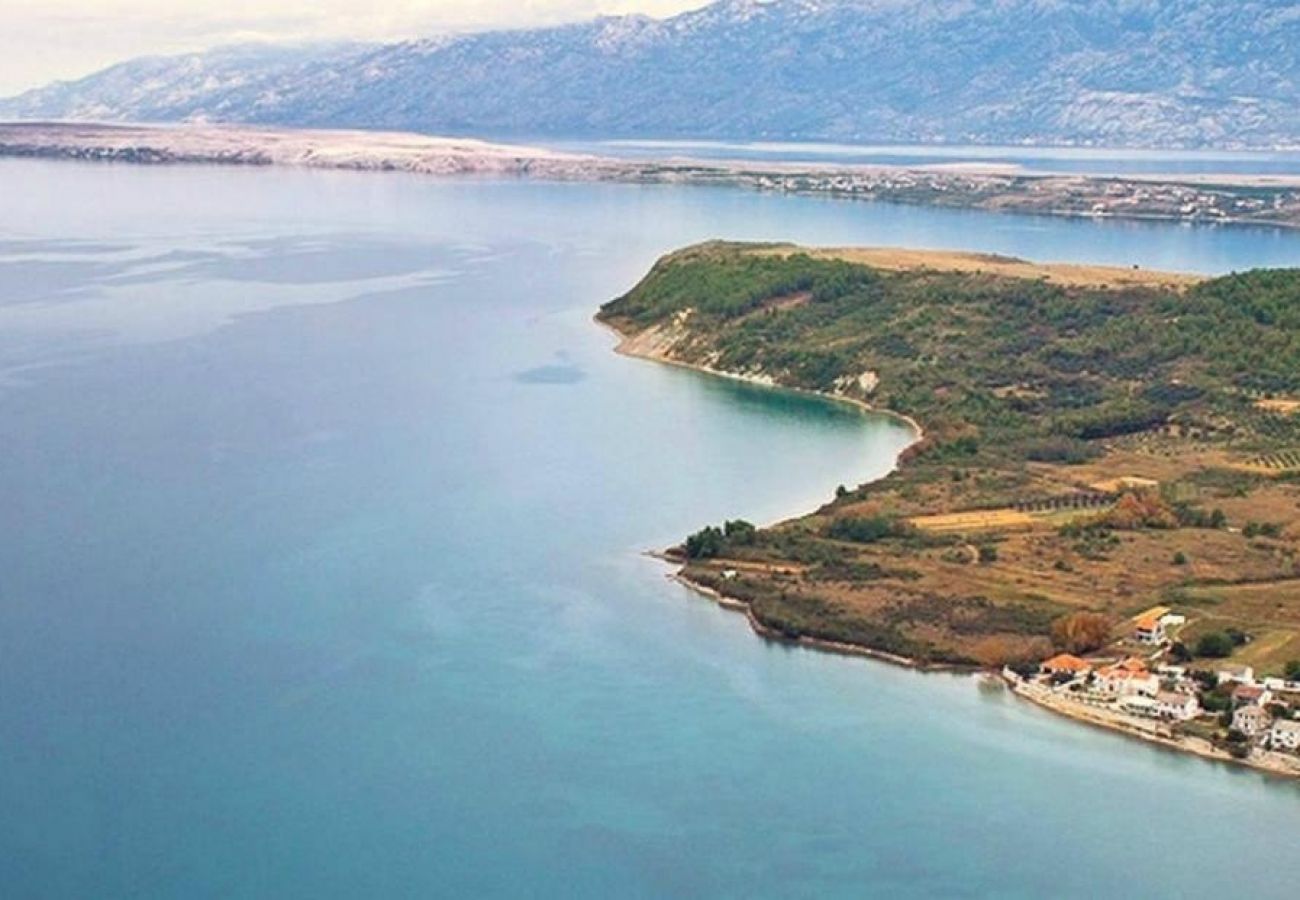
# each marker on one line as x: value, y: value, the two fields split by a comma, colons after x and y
x: 1267, y: 200
x: 1103, y: 502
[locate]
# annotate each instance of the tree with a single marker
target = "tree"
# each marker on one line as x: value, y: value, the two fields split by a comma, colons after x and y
x: 1180, y: 558
x: 998, y: 650
x: 706, y: 543
x: 988, y: 554
x: 1081, y: 632
x: 1293, y: 670
x: 740, y: 533
x: 1144, y: 509
x: 1215, y: 645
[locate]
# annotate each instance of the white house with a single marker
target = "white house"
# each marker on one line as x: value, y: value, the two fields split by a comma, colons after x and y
x: 1285, y: 735
x: 1239, y: 674
x: 1139, y: 705
x: 1177, y: 706
x: 1150, y: 630
x: 1122, y: 681
x: 1281, y: 684
x: 1251, y: 695
x: 1252, y: 721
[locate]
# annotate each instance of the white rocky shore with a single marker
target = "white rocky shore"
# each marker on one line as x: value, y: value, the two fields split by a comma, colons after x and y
x: 1229, y: 200
x: 362, y: 150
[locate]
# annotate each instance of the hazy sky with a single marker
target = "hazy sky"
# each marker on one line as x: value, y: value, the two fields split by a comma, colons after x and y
x: 41, y: 40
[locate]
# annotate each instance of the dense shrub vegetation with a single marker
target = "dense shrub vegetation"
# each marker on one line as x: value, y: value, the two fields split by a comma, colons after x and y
x: 983, y: 547
x: 1052, y: 367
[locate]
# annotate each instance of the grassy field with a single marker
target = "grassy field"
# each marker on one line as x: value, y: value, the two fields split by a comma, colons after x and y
x: 1097, y: 441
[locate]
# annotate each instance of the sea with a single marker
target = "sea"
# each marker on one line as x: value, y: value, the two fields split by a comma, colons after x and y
x: 325, y: 510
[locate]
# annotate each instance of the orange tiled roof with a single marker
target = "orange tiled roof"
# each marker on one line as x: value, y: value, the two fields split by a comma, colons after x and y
x: 1067, y: 663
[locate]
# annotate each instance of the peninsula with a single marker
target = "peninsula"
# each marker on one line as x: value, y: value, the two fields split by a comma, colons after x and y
x: 1269, y: 200
x: 1105, y: 501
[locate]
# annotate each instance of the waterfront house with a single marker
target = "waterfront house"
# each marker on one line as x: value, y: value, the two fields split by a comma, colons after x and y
x: 1251, y: 695
x: 1285, y: 735
x: 1065, y: 664
x: 1238, y: 674
x: 1177, y: 706
x: 1122, y: 680
x: 1139, y: 705
x: 1252, y: 721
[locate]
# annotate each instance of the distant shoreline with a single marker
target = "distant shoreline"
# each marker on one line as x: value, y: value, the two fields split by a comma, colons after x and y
x: 1229, y: 199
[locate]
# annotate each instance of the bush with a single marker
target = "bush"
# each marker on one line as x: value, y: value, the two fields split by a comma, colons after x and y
x: 1069, y: 451
x: 862, y: 529
x: 1293, y: 670
x: 1143, y: 509
x: 1262, y: 529
x: 988, y: 554
x: 1215, y: 645
x: 1180, y: 558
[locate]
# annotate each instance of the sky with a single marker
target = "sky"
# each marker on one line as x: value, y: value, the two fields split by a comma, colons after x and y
x: 45, y: 40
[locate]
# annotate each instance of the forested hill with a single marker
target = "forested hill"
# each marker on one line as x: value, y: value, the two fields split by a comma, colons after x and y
x: 1107, y: 72
x: 1097, y: 441
x: 1007, y: 358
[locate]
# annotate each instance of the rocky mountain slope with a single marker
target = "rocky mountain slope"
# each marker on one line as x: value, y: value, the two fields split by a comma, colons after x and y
x: 1113, y: 72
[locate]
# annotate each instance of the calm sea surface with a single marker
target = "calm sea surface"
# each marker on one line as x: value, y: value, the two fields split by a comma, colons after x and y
x: 322, y: 503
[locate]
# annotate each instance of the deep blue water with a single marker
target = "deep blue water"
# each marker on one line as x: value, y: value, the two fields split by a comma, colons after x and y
x: 321, y: 573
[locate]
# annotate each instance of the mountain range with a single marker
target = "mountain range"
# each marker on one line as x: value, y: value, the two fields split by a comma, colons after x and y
x: 1139, y: 73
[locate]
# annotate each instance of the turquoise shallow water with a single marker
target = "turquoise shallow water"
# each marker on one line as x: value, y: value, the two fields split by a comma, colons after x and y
x: 321, y: 573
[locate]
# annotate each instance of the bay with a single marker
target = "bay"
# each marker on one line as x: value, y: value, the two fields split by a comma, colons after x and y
x: 322, y: 573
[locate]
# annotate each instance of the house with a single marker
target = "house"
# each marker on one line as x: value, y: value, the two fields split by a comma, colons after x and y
x: 1177, y: 706
x: 1124, y: 680
x: 1251, y: 721
x: 1251, y: 695
x: 1150, y: 630
x: 1239, y: 674
x: 1139, y: 705
x: 1285, y: 735
x: 1065, y: 664
x: 1281, y: 684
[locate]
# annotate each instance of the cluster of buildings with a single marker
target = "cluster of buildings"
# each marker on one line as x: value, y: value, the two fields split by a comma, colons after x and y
x: 1168, y: 693
x: 1258, y: 712
x: 1077, y: 195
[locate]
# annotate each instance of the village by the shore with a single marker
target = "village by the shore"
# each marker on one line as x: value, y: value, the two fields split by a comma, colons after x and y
x: 1223, y: 712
